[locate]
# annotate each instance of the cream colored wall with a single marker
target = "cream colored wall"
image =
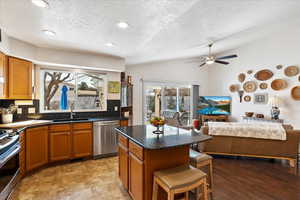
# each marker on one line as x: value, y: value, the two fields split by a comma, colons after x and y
x: 173, y: 71
x: 280, y: 47
x: 46, y: 56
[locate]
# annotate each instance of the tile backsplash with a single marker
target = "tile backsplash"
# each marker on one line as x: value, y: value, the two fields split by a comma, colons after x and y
x: 30, y: 110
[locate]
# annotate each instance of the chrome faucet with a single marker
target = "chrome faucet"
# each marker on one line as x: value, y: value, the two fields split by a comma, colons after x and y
x: 72, y: 110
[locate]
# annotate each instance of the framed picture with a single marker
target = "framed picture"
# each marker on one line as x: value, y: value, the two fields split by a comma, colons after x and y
x: 114, y: 87
x: 261, y: 98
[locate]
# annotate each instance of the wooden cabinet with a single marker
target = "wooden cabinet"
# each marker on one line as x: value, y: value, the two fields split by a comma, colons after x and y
x: 3, y: 76
x: 123, y: 165
x: 82, y: 143
x: 60, y: 146
x: 60, y: 142
x: 124, y: 122
x: 214, y: 118
x: 36, y: 147
x: 131, y: 167
x: 136, y: 174
x: 70, y: 141
x: 19, y: 78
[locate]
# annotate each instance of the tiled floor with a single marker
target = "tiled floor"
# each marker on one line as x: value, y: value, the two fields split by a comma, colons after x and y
x: 234, y: 179
x: 88, y: 180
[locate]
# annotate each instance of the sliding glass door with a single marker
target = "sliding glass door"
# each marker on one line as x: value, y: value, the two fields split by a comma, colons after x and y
x: 167, y: 99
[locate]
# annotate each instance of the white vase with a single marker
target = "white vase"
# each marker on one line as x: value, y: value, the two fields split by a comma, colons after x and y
x: 7, y: 118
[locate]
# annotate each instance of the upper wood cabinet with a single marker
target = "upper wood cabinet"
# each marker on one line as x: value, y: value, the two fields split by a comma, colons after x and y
x: 19, y: 78
x: 36, y: 147
x: 3, y: 76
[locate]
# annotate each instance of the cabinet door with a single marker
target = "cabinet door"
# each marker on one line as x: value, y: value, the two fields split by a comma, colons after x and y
x: 20, y: 79
x: 36, y: 147
x: 3, y: 75
x: 60, y: 146
x: 136, y: 182
x: 123, y: 165
x: 82, y: 143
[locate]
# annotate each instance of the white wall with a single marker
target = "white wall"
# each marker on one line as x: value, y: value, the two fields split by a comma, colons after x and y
x: 281, y: 47
x: 170, y: 71
x: 46, y: 56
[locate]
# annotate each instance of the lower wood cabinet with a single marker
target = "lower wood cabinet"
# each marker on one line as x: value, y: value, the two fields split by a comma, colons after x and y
x: 60, y: 146
x: 136, y: 174
x: 57, y: 142
x: 123, y: 165
x: 36, y: 147
x: 82, y: 143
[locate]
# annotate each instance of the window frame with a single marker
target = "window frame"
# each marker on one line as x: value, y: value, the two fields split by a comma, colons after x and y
x: 74, y: 72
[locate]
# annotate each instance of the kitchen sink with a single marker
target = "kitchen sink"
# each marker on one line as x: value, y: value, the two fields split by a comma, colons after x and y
x: 70, y: 120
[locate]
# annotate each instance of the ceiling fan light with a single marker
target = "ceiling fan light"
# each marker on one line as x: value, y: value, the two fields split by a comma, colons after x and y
x: 40, y: 3
x: 209, y: 62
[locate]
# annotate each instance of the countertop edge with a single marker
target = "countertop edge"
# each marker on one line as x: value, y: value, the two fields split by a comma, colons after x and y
x: 154, y: 148
x: 51, y: 122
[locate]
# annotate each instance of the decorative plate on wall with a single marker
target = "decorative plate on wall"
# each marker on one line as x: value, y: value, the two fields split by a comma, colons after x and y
x: 263, y: 75
x: 247, y: 98
x: 242, y: 77
x: 250, y: 86
x: 291, y: 71
x: 279, y: 84
x: 249, y: 71
x: 279, y: 67
x: 263, y: 86
x: 295, y: 93
x: 234, y: 88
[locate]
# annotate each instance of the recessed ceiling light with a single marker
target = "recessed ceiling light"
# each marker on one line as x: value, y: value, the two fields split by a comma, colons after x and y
x: 49, y: 32
x: 122, y: 25
x: 40, y: 3
x: 109, y: 44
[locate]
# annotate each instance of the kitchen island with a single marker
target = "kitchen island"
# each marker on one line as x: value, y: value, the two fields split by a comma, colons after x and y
x: 141, y: 153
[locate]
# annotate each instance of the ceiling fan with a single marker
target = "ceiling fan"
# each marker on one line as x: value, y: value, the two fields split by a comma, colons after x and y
x: 210, y: 59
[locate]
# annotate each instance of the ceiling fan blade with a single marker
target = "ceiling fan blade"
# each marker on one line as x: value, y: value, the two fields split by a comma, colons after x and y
x: 221, y: 62
x: 227, y: 57
x: 202, y: 64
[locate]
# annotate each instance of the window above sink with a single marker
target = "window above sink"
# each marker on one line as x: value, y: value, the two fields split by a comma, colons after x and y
x: 61, y: 88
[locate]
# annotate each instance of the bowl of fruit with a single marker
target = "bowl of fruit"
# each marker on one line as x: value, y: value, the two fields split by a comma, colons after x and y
x: 158, y: 122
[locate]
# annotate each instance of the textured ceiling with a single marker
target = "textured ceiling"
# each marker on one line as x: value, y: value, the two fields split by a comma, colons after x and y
x: 158, y: 28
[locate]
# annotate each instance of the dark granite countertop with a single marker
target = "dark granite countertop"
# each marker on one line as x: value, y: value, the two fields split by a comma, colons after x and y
x: 65, y: 121
x: 172, y: 137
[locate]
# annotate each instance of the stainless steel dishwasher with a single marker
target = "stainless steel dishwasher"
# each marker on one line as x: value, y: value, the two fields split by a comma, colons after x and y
x: 105, y: 138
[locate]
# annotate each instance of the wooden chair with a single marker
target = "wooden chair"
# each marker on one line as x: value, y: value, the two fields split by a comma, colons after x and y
x: 201, y: 160
x: 178, y: 180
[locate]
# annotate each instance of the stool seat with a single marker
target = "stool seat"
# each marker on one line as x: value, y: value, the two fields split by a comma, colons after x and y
x: 196, y: 157
x: 181, y: 176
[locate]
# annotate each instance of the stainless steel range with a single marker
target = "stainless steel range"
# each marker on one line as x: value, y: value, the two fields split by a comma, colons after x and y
x: 9, y: 161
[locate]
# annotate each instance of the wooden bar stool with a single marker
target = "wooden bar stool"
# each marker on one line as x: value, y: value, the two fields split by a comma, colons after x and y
x: 178, y: 180
x: 200, y: 160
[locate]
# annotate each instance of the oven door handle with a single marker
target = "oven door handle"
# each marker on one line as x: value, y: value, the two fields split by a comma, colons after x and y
x: 10, y: 155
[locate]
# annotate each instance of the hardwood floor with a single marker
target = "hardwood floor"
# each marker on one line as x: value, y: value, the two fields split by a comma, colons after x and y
x: 234, y: 179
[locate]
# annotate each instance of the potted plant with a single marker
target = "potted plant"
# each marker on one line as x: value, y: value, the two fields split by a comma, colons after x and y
x: 7, y: 113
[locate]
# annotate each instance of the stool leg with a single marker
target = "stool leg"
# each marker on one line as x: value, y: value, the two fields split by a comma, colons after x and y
x: 171, y: 195
x: 205, y: 196
x: 211, y: 174
x: 186, y: 195
x: 155, y: 190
